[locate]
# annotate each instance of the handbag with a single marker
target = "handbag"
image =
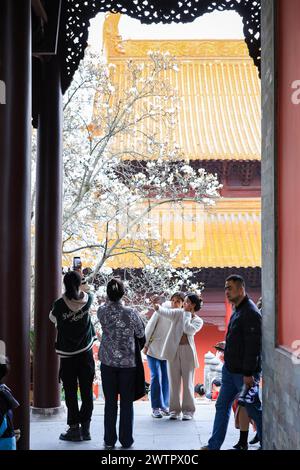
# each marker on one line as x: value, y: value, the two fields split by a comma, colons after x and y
x: 140, y: 389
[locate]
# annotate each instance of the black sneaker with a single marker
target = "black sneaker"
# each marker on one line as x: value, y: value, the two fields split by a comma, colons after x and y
x: 72, y: 434
x: 255, y: 440
x: 239, y: 446
x: 85, y: 431
x: 107, y: 447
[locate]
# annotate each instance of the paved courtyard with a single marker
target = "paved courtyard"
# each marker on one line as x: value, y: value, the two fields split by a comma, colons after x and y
x: 149, y: 433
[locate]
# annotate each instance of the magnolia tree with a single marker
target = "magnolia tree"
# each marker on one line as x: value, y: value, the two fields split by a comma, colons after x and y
x: 121, y: 165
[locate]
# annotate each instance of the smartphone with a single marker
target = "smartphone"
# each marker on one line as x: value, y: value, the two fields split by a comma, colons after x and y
x: 77, y: 263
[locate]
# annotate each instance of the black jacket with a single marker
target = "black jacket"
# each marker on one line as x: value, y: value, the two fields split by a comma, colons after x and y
x: 75, y: 331
x: 243, y: 340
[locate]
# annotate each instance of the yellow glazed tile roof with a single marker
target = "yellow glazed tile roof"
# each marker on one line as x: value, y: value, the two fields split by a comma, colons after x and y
x: 218, y: 87
x: 228, y: 235
x: 219, y: 116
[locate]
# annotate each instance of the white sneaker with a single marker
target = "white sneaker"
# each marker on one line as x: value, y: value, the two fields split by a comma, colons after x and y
x: 174, y: 415
x: 164, y: 411
x: 187, y: 417
x: 156, y: 413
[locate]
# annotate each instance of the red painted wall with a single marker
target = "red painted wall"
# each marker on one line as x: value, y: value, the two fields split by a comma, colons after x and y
x: 205, y: 341
x: 288, y: 173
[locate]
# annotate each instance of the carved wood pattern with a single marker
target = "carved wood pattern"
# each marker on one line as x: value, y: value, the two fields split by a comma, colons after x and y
x: 76, y: 16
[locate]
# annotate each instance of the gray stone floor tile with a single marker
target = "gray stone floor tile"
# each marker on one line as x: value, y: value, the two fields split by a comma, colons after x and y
x: 149, y: 433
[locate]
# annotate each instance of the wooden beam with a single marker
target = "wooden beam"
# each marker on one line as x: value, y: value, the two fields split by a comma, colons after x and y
x: 39, y: 10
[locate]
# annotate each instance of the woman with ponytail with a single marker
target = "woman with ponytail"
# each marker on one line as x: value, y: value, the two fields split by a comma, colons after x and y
x: 117, y: 354
x: 74, y: 342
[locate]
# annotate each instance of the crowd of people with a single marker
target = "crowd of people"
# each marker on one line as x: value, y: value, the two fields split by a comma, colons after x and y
x: 168, y: 342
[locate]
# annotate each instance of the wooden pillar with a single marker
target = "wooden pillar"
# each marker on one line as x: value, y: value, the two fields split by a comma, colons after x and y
x: 48, y: 248
x: 15, y: 154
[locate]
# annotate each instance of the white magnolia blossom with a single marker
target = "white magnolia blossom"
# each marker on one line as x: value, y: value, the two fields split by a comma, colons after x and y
x: 119, y: 170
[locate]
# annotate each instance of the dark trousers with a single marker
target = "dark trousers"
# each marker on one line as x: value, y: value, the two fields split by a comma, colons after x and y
x: 120, y: 381
x: 74, y: 371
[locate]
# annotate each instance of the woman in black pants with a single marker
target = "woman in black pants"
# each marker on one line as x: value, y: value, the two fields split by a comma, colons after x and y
x: 74, y: 342
x: 120, y: 325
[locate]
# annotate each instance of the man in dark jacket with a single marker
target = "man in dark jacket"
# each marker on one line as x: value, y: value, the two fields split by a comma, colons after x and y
x: 242, y: 361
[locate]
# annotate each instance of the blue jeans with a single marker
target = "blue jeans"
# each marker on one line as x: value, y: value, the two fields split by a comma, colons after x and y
x: 159, y: 386
x: 231, y: 386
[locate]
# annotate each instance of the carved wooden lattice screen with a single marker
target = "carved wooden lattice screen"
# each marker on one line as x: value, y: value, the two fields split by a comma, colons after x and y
x: 76, y: 17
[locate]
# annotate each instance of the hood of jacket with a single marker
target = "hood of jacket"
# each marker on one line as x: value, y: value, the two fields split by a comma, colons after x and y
x: 76, y: 305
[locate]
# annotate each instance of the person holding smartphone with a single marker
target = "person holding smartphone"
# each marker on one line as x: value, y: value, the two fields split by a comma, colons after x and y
x: 180, y: 351
x: 74, y: 342
x: 77, y: 266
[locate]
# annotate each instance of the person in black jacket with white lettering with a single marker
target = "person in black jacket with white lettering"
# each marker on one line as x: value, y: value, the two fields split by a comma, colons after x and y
x: 242, y: 362
x: 74, y: 342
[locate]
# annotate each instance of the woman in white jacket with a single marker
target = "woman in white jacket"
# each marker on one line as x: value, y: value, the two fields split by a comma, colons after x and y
x: 180, y: 351
x: 156, y: 332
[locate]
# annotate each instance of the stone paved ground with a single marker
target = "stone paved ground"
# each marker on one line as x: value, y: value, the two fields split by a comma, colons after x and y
x: 149, y: 433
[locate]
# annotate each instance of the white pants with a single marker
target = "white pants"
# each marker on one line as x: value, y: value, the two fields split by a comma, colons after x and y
x: 182, y: 367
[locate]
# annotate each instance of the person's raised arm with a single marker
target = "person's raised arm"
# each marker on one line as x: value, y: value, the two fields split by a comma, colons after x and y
x: 169, y: 313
